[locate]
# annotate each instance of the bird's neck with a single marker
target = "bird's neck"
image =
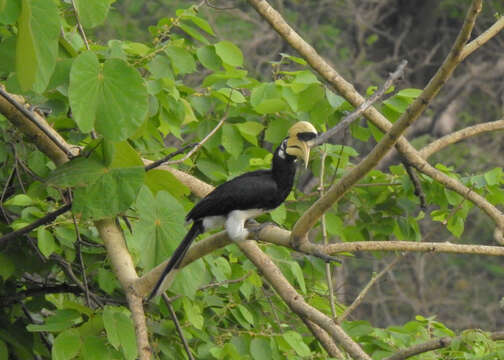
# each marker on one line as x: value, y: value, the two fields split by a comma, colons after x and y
x: 283, y: 170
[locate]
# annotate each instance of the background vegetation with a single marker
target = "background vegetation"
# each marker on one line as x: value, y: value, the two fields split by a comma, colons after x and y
x: 154, y: 76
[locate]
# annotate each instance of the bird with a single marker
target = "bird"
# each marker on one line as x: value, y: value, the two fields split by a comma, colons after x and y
x: 245, y: 197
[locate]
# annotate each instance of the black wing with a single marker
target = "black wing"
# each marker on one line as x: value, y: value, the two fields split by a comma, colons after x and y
x: 253, y: 190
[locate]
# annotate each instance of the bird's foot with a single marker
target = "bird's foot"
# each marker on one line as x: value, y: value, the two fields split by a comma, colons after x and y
x: 255, y: 228
x: 325, y: 257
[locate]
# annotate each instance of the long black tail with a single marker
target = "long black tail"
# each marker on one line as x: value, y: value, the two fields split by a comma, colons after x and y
x: 178, y: 255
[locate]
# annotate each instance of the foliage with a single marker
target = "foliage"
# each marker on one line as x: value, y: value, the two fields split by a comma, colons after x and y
x: 143, y: 100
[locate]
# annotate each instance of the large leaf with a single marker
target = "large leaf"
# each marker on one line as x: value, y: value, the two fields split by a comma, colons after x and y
x: 92, y: 12
x: 66, y: 345
x: 229, y: 53
x: 161, y: 226
x: 120, y: 331
x: 102, y: 191
x: 113, y: 98
x: 9, y: 11
x: 37, y: 44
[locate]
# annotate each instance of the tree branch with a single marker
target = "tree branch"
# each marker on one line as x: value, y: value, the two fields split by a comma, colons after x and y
x: 296, y: 302
x: 347, y: 120
x: 433, y: 345
x: 43, y: 220
x: 457, y: 136
x: 358, y: 300
x: 483, y: 38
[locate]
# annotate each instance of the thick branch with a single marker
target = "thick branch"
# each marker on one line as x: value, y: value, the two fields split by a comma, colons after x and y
x: 483, y: 38
x: 457, y: 136
x: 433, y: 345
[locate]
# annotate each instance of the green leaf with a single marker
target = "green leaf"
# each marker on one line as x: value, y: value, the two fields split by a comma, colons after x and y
x: 161, y: 226
x: 201, y: 23
x: 61, y: 320
x: 247, y: 315
x: 7, y: 266
x: 231, y: 140
x: 494, y: 176
x: 193, y: 313
x: 113, y: 98
x: 102, y: 191
x: 279, y: 214
x: 229, y: 53
x: 66, y: 345
x: 78, y: 172
x: 208, y: 58
x: 192, y: 32
x: 260, y: 349
x: 182, y: 61
x: 4, y: 352
x: 409, y: 93
x: 45, y: 241
x: 120, y: 331
x: 107, y: 281
x: 95, y: 347
x: 158, y: 180
x: 233, y: 95
x: 298, y: 275
x: 9, y: 11
x: 37, y: 44
x: 250, y: 130
x: 295, y: 341
x: 267, y: 99
x: 92, y: 12
x: 19, y: 200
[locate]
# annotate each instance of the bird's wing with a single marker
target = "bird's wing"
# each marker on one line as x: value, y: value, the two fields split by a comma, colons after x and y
x: 254, y: 190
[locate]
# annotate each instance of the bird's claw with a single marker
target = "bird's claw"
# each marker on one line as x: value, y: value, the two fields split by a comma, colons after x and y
x: 326, y: 258
x: 255, y: 228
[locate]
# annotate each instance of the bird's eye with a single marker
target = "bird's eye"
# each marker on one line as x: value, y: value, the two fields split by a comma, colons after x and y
x: 306, y: 136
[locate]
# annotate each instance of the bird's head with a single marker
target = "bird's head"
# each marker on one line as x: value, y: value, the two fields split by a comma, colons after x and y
x: 298, y: 141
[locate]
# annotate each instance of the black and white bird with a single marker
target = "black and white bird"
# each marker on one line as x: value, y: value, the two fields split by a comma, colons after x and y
x: 245, y: 197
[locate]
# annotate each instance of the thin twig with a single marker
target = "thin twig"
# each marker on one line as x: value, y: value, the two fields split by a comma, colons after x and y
x: 347, y: 120
x: 4, y: 191
x: 177, y: 326
x: 81, y: 260
x: 363, y: 293
x: 29, y: 115
x: 483, y: 38
x: 44, y: 220
x: 67, y: 268
x: 417, y: 185
x: 324, y: 236
x: 209, y: 135
x: 79, y: 25
x: 168, y: 157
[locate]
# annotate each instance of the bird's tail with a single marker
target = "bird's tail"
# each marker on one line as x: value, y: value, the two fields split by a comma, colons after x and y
x: 178, y: 255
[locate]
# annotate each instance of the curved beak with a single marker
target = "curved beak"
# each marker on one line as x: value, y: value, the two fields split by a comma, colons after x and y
x: 305, y: 149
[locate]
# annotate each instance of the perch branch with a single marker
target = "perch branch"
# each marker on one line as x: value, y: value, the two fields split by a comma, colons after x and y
x: 433, y: 345
x: 457, y: 136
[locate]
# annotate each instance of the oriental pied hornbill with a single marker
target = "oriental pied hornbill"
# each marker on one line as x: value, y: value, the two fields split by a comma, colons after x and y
x: 234, y: 202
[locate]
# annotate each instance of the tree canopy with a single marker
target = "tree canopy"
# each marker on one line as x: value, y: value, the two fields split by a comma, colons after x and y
x: 106, y: 143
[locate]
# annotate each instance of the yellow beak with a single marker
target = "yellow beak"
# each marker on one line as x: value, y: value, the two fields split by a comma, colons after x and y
x: 300, y: 149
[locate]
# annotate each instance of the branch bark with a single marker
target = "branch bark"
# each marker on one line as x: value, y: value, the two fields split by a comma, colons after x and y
x: 433, y: 345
